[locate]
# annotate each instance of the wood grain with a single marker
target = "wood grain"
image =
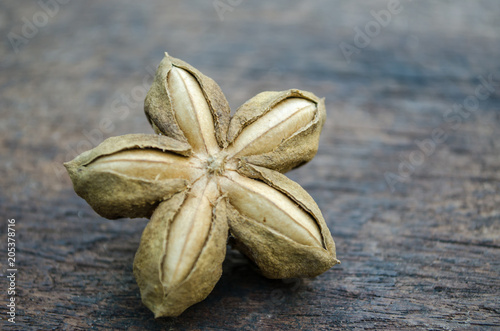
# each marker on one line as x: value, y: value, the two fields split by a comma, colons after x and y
x: 422, y: 255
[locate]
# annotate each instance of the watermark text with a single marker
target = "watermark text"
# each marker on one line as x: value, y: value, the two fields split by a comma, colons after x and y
x: 11, y: 270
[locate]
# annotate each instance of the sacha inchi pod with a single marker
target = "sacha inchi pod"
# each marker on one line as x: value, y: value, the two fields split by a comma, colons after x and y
x: 205, y: 175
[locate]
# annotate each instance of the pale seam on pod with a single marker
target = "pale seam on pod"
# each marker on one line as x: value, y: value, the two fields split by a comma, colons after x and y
x: 266, y: 133
x: 297, y: 146
x: 148, y: 164
x: 115, y: 189
x: 294, y: 192
x: 129, y: 142
x: 215, y: 99
x: 192, y: 111
x: 266, y: 205
x: 148, y: 257
x: 158, y: 104
x: 270, y: 247
x: 188, y: 231
x: 256, y: 107
x: 276, y: 255
x: 171, y: 299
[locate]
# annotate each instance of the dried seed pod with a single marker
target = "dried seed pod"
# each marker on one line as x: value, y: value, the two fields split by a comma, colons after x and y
x: 206, y: 176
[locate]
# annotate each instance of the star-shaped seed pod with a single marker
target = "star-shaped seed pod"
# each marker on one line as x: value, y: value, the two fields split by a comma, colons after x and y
x: 205, y: 176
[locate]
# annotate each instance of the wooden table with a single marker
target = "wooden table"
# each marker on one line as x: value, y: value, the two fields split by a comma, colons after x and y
x: 408, y: 184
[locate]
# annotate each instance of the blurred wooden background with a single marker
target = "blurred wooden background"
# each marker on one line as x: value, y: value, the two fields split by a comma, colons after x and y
x: 407, y: 174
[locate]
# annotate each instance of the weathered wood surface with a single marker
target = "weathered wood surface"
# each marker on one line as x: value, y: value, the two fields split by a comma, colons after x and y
x: 424, y: 255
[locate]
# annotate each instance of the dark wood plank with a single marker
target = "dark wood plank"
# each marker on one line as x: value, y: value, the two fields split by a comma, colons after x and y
x: 421, y: 251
